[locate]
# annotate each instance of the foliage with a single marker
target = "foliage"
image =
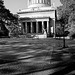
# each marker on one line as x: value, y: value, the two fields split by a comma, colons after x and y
x: 66, y: 9
x: 7, y: 19
x: 59, y: 31
x: 72, y: 18
x: 66, y: 14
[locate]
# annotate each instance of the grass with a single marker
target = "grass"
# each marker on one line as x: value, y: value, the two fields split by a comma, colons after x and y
x: 21, y: 55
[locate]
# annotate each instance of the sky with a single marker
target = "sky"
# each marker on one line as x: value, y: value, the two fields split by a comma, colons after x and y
x: 15, y: 5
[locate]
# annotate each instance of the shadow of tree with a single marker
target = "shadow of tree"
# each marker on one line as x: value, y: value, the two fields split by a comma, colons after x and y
x: 8, y: 58
x: 69, y: 67
x: 7, y: 71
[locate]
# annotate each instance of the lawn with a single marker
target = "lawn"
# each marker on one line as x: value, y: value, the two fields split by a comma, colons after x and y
x: 24, y: 56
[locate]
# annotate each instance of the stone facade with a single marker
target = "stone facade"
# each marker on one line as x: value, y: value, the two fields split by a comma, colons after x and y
x: 38, y: 16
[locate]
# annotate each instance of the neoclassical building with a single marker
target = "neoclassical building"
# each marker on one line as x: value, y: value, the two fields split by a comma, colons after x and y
x: 39, y: 15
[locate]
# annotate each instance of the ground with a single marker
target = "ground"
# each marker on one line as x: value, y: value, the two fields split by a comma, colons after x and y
x: 21, y: 56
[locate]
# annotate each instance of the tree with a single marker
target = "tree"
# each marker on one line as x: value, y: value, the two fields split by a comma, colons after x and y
x: 66, y: 14
x: 66, y: 9
x: 7, y: 19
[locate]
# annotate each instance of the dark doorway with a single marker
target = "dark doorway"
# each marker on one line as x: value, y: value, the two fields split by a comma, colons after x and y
x: 45, y: 24
x: 40, y: 27
x: 28, y: 27
x: 34, y: 27
x: 24, y: 26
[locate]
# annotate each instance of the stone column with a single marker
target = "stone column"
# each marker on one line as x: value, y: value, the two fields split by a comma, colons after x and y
x: 26, y: 26
x: 43, y: 1
x: 40, y: 1
x: 54, y: 27
x: 22, y: 27
x: 42, y: 26
x: 36, y: 27
x: 47, y: 27
x: 33, y: 1
x: 31, y: 27
x: 37, y: 1
x: 29, y: 2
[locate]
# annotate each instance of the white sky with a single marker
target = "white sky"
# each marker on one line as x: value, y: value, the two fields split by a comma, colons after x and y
x: 15, y: 5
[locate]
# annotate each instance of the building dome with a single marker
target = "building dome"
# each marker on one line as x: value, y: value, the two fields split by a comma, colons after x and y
x: 38, y: 3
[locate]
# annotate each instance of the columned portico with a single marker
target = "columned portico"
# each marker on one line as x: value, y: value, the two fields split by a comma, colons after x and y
x: 38, y: 17
x: 36, y: 26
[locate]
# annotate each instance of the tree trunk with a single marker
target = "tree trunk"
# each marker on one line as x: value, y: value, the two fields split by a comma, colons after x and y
x: 64, y: 37
x: 64, y: 42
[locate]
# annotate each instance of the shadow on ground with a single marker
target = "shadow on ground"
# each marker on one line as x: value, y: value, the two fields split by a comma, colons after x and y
x: 9, y: 63
x: 66, y: 71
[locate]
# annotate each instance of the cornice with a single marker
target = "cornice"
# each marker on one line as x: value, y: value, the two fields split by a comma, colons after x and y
x: 34, y: 11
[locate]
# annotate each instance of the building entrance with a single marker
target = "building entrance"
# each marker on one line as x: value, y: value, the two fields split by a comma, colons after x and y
x: 39, y: 27
x: 28, y: 27
x: 45, y: 25
x: 33, y: 27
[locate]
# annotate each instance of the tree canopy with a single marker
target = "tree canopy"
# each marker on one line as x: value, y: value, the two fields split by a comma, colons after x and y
x: 66, y: 10
x: 7, y: 18
x: 66, y: 13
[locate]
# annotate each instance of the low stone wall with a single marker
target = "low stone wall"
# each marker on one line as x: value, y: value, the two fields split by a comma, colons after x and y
x: 40, y: 36
x: 62, y: 37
